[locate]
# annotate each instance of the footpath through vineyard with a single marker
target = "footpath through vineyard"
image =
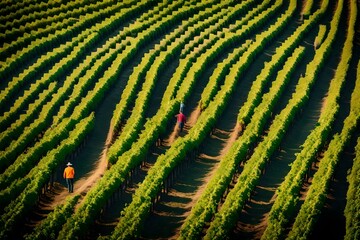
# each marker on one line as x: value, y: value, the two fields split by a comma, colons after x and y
x: 272, y: 119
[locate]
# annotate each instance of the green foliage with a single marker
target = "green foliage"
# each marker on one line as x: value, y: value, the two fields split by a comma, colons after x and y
x: 320, y: 37
x: 17, y: 126
x: 59, y: 60
x: 287, y: 199
x: 40, y: 175
x: 352, y: 208
x: 52, y: 224
x: 44, y: 119
x: 200, y: 212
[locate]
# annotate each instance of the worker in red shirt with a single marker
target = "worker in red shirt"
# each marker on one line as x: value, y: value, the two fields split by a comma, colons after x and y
x: 69, y: 174
x: 181, y: 120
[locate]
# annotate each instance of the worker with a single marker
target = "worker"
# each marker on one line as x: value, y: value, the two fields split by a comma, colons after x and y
x: 181, y: 120
x: 69, y: 174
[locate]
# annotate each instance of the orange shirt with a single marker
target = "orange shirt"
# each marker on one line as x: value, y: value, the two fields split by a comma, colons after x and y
x: 69, y: 172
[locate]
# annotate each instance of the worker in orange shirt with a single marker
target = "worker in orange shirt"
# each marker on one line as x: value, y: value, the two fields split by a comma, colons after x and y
x: 69, y: 174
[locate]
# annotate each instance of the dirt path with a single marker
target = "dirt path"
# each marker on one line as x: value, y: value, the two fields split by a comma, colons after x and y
x: 83, y: 185
x: 226, y: 138
x: 59, y: 192
x: 234, y: 134
x: 191, y: 120
x: 227, y: 141
x: 172, y: 137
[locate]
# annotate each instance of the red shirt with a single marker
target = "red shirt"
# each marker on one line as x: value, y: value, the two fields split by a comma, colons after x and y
x: 181, y: 118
